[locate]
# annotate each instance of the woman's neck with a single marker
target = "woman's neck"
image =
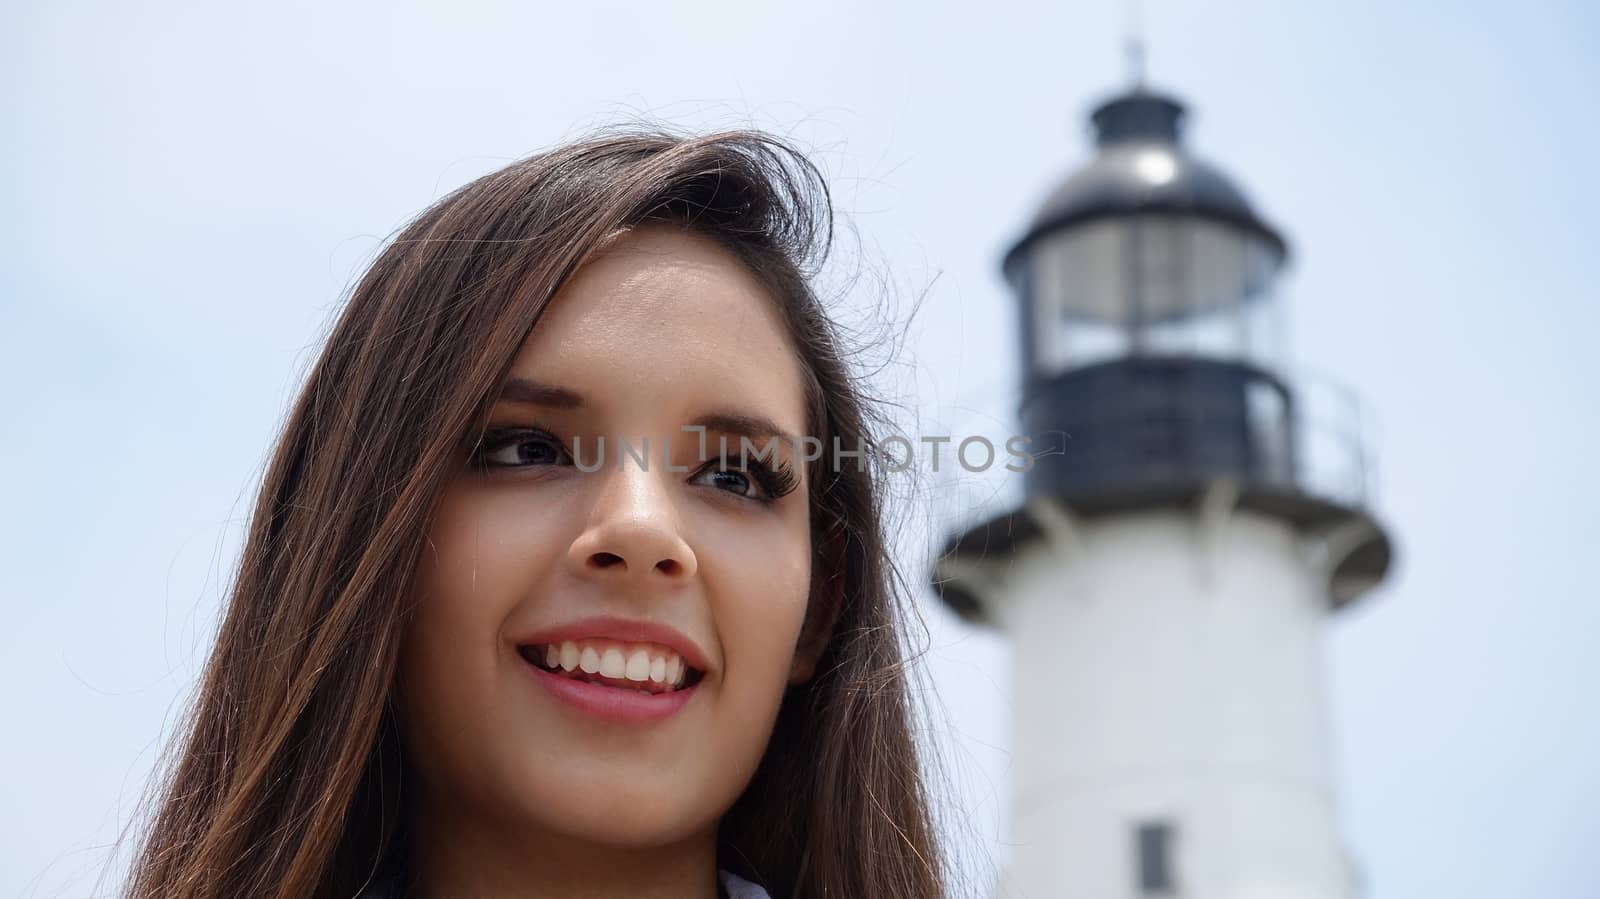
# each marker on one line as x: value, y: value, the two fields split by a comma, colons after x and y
x: 453, y: 858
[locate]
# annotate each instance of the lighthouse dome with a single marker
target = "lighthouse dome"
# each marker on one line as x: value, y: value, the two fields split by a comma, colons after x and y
x: 1142, y: 167
x: 1143, y: 176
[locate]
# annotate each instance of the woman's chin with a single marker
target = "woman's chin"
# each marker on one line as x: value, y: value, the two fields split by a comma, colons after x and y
x: 617, y: 810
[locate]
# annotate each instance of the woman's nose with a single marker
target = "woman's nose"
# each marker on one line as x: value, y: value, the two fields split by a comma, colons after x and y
x: 633, y: 530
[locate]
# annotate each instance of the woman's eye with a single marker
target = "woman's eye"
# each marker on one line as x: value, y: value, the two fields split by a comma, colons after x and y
x: 758, y: 480
x: 515, y: 449
x: 730, y: 479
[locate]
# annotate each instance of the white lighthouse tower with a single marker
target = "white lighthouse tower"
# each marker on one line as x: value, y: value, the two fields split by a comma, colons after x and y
x: 1165, y: 583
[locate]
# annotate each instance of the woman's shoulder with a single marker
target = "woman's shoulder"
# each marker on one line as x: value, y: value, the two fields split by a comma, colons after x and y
x: 737, y: 887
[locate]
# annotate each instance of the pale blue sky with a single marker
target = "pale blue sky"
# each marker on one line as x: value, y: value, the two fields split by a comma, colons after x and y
x: 190, y: 187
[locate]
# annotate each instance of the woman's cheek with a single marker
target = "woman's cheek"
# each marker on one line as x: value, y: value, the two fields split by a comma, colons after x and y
x: 476, y: 565
x: 770, y: 610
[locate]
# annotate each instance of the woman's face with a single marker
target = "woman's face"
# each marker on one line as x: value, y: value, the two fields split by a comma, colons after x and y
x: 694, y: 563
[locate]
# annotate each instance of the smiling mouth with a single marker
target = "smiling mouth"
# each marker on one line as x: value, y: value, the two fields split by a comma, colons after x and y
x: 619, y: 666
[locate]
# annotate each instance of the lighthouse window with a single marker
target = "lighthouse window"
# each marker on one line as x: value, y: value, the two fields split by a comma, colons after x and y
x: 1154, y: 858
x: 1076, y: 286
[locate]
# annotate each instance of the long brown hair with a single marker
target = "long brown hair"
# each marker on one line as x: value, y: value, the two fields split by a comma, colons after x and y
x: 285, y: 780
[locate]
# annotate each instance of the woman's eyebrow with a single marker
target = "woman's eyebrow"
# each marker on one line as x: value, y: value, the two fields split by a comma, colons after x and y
x: 532, y: 393
x: 741, y: 424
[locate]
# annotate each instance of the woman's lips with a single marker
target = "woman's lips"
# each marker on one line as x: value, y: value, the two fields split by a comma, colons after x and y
x: 621, y: 630
x: 624, y: 705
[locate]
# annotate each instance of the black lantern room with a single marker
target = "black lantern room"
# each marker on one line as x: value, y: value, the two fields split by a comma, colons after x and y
x: 1152, y: 345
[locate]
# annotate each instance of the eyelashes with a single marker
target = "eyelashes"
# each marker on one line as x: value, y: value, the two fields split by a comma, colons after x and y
x: 778, y: 480
x: 501, y: 448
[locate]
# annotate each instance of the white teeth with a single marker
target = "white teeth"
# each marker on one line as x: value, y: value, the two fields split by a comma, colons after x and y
x: 638, y: 666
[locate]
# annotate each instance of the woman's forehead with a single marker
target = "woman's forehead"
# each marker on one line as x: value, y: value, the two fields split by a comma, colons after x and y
x: 666, y: 316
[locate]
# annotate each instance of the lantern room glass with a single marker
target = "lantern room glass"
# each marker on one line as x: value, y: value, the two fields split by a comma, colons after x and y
x: 1153, y: 284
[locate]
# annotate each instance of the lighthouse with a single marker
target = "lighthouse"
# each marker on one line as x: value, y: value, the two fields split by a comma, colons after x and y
x: 1165, y: 582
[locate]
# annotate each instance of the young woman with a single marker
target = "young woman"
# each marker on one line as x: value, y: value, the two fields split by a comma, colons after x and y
x: 562, y: 581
